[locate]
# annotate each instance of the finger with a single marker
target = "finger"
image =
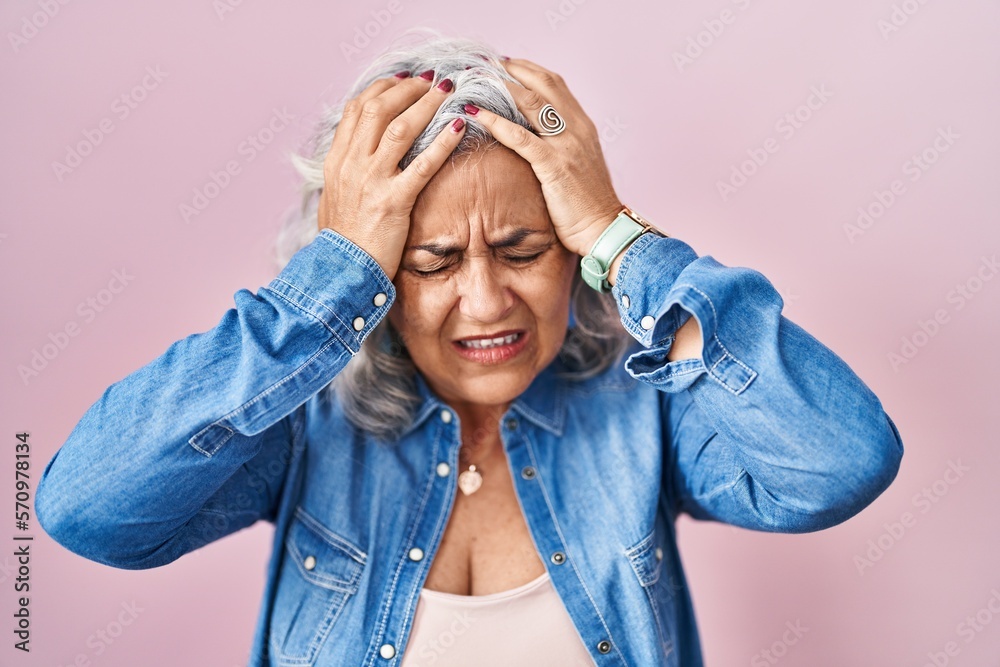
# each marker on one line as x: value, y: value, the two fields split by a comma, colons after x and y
x: 550, y: 85
x: 352, y: 110
x: 377, y: 112
x: 404, y: 128
x: 417, y: 174
x: 515, y: 137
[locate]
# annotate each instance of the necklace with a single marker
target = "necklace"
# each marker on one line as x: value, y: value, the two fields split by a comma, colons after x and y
x: 469, y: 480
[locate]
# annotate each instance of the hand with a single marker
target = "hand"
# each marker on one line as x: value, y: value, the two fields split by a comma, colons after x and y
x: 570, y: 166
x: 366, y: 197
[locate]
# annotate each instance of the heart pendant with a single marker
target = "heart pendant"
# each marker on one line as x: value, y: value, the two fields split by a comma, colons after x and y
x: 470, y: 480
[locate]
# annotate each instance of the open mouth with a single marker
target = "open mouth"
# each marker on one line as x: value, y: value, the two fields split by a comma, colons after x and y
x: 496, y: 349
x: 487, y: 343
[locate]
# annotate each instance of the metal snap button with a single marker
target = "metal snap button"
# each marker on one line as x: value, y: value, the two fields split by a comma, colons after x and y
x: 359, y: 323
x: 625, y: 300
x: 446, y: 416
x: 309, y: 563
x: 604, y: 646
x: 528, y: 472
x: 380, y: 299
x: 387, y: 650
x: 416, y: 553
x: 659, y: 553
x: 511, y: 423
x: 558, y: 558
x: 647, y: 322
x: 443, y: 469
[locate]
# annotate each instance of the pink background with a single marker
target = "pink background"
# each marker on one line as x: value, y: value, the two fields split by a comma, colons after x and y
x: 671, y: 134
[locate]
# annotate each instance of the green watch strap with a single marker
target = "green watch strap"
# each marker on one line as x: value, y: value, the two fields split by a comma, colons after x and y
x: 597, y: 264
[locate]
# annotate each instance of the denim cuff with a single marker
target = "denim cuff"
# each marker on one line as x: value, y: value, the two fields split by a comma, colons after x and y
x: 337, y: 282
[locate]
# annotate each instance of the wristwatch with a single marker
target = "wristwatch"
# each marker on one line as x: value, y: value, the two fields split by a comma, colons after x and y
x: 624, y: 229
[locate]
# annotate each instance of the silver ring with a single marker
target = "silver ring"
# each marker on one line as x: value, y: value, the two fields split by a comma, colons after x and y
x: 550, y: 121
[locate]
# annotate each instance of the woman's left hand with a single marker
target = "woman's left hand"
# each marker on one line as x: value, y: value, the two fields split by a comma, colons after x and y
x: 570, y: 165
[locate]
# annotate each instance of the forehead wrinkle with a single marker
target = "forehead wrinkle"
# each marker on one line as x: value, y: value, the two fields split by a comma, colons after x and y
x: 514, y: 238
x: 487, y: 197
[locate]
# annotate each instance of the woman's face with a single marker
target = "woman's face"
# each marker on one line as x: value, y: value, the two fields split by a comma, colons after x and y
x: 499, y: 267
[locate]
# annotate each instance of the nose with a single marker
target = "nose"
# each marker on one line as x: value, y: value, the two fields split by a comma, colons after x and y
x: 484, y: 295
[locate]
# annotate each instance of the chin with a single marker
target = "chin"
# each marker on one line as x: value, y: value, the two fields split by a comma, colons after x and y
x: 488, y: 387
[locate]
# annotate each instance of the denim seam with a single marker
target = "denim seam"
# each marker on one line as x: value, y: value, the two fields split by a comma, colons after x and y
x: 229, y: 434
x: 341, y: 594
x: 346, y: 545
x: 648, y: 590
x: 311, y: 300
x: 359, y: 253
x: 572, y: 561
x: 428, y: 492
x: 715, y: 316
x: 634, y: 249
x: 193, y: 440
x: 314, y: 316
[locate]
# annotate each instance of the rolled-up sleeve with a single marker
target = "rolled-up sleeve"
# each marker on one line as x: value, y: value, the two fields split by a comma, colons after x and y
x: 768, y: 429
x: 196, y: 444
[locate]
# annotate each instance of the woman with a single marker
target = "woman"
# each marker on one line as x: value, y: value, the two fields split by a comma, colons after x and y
x: 431, y: 405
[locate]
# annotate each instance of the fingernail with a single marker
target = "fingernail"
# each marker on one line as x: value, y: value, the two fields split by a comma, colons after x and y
x: 428, y: 75
x: 402, y: 75
x: 504, y: 57
x: 446, y: 85
x: 457, y: 125
x: 472, y: 110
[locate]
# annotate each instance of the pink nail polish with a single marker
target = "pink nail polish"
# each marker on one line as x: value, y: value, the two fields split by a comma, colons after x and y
x: 471, y: 109
x: 428, y: 75
x: 446, y: 85
x: 402, y: 75
x: 457, y: 125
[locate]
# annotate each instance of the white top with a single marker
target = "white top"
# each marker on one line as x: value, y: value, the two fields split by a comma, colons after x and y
x: 526, y: 626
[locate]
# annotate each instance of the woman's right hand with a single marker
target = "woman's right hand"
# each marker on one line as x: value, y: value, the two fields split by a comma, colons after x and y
x: 366, y: 197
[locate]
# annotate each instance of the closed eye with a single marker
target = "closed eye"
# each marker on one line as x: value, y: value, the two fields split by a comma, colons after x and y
x: 524, y: 260
x: 514, y: 259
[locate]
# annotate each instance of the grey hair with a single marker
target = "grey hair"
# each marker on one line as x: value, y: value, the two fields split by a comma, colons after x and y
x: 377, y: 389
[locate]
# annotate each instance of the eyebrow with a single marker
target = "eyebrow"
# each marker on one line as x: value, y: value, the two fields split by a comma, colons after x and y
x: 512, y: 239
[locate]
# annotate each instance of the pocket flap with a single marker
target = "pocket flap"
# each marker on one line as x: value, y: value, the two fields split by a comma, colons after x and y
x: 323, y: 557
x: 646, y: 559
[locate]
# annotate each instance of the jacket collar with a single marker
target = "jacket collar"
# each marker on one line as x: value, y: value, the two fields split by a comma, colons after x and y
x: 543, y: 403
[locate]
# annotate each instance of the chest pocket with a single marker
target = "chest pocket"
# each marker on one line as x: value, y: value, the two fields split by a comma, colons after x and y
x: 648, y: 558
x: 319, y: 573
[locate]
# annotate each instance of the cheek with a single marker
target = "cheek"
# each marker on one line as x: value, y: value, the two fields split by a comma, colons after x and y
x: 418, y: 310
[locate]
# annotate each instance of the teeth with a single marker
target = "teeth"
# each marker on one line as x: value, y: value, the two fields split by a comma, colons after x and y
x: 485, y: 343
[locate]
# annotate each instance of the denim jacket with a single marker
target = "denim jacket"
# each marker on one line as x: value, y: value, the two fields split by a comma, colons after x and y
x: 768, y: 430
